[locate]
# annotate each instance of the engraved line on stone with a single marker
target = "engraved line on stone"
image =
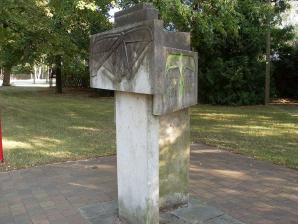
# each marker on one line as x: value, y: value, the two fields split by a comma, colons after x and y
x: 175, y: 61
x: 129, y: 67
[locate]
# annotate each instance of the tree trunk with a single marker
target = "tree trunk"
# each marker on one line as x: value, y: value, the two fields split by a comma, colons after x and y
x: 39, y: 72
x: 268, y: 61
x: 51, y: 72
x: 58, y: 62
x: 268, y: 68
x: 35, y: 71
x: 48, y: 74
x: 6, y: 76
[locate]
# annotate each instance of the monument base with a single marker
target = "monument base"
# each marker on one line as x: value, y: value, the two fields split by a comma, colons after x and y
x: 152, y: 158
x: 197, y: 212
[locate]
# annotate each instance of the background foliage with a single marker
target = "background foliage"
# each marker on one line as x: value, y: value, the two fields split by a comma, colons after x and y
x: 36, y: 31
x: 229, y: 36
x: 286, y: 71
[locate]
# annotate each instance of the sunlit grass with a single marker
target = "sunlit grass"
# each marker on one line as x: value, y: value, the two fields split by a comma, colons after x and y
x: 267, y: 133
x: 42, y: 127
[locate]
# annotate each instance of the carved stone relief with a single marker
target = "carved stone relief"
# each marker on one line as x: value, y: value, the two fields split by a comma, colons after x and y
x: 180, y: 78
x: 121, y: 54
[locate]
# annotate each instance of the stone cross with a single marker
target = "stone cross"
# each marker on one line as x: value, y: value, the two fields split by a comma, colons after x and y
x: 154, y: 75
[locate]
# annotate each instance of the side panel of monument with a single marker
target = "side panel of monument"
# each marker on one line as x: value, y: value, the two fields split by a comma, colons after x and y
x: 121, y: 59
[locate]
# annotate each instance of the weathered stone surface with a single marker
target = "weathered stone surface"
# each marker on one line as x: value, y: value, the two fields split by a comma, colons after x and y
x: 140, y: 12
x: 177, y: 40
x: 179, y: 81
x: 141, y: 57
x: 121, y: 54
x: 120, y: 59
x: 152, y: 158
x: 174, y: 149
x: 196, y: 213
x: 137, y: 158
x: 224, y: 219
x: 108, y: 209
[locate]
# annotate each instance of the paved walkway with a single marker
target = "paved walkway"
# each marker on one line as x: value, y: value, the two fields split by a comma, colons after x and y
x: 251, y: 191
x: 255, y: 192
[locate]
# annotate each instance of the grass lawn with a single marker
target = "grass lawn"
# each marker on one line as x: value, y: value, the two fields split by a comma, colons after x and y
x: 262, y: 132
x: 41, y: 127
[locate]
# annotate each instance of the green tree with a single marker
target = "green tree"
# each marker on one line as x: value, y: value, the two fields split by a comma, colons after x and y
x: 70, y: 24
x: 230, y: 38
x: 285, y: 71
x: 19, y: 38
x: 53, y: 31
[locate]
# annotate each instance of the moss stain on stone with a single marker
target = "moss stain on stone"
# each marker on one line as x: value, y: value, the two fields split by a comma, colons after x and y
x: 174, y: 159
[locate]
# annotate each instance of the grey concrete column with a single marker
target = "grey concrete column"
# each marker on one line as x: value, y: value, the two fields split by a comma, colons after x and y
x: 137, y: 158
x: 152, y: 158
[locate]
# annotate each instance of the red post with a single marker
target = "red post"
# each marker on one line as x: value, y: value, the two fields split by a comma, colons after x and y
x: 1, y: 146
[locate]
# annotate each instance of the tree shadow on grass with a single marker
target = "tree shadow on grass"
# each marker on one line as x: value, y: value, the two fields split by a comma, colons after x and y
x: 40, y: 129
x: 260, y: 132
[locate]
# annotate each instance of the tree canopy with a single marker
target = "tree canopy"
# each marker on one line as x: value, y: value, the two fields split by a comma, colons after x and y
x: 229, y: 36
x: 40, y: 30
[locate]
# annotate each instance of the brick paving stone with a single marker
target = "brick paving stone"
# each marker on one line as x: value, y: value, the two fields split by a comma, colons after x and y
x: 4, y: 209
x: 249, y: 190
x: 68, y: 212
x: 40, y: 219
x: 22, y: 219
x: 47, y: 204
x: 17, y: 209
x: 60, y: 221
x: 197, y: 212
x: 36, y: 211
x: 7, y: 220
x: 53, y: 214
x: 76, y: 219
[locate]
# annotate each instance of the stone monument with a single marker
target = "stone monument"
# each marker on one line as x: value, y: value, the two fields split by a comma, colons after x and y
x: 154, y: 75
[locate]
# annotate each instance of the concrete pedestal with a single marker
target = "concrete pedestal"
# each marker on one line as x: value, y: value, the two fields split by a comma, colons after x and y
x: 152, y: 158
